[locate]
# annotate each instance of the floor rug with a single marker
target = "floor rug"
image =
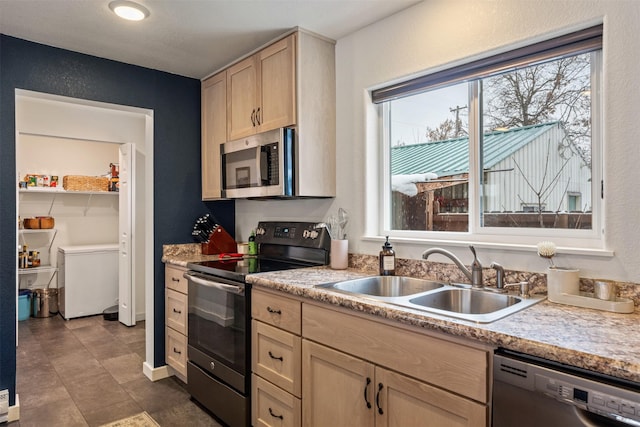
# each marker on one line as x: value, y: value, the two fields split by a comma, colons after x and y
x: 140, y: 420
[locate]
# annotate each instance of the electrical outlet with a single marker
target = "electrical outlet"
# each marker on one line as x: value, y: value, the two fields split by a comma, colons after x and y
x: 4, y: 406
x: 29, y: 282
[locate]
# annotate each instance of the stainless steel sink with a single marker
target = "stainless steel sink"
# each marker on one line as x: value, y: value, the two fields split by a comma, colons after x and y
x: 467, y: 301
x: 385, y: 286
x: 458, y: 301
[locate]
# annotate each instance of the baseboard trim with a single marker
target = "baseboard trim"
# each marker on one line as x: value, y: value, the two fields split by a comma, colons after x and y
x: 14, y: 411
x: 155, y: 374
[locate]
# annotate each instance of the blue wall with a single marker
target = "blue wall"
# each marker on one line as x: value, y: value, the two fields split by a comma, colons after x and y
x: 175, y: 101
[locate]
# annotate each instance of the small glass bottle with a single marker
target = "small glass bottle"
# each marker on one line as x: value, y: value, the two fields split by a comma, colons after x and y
x: 387, y: 260
x: 253, y: 246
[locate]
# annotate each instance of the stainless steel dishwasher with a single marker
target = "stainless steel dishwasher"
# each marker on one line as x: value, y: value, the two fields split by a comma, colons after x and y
x: 530, y: 391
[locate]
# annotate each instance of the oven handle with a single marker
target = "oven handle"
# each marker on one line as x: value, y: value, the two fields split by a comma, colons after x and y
x: 234, y: 289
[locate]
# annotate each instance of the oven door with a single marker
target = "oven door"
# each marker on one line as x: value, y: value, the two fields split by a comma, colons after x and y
x: 219, y: 328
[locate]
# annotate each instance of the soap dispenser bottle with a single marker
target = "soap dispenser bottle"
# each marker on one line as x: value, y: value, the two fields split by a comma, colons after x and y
x: 387, y: 260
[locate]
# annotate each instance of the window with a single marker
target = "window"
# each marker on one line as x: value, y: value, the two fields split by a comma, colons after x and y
x: 504, y: 145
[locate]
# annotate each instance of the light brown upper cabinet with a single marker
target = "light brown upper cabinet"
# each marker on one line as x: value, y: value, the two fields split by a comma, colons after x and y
x: 261, y: 90
x: 287, y: 83
x: 214, y: 132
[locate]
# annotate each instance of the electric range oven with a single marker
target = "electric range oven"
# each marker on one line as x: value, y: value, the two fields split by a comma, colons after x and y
x: 219, y: 321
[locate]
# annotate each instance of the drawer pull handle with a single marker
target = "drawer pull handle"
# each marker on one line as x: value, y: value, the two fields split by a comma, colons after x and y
x: 274, y: 415
x: 380, y: 387
x: 274, y: 357
x: 177, y: 311
x: 174, y: 279
x: 175, y: 350
x: 253, y: 117
x: 273, y: 311
x: 366, y: 398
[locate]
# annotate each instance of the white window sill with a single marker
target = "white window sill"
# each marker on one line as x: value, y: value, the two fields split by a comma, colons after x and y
x: 592, y: 252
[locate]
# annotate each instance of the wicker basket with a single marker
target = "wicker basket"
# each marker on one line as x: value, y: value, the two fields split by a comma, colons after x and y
x: 85, y: 183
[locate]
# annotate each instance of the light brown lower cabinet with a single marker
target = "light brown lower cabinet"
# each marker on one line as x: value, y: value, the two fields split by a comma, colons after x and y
x: 339, y: 389
x: 352, y: 370
x: 272, y: 406
x: 176, y: 320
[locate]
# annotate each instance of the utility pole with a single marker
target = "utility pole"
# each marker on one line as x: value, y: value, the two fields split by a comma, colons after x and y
x: 458, y: 122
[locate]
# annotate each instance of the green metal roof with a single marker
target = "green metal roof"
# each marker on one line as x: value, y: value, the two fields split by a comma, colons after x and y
x: 451, y: 156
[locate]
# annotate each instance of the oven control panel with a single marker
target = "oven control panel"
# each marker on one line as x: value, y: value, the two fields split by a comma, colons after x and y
x: 284, y: 232
x: 303, y: 234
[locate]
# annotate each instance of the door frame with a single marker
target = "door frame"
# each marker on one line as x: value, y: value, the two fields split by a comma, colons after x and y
x: 147, y: 149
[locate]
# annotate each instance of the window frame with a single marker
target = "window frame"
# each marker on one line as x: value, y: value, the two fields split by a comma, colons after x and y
x: 512, y: 236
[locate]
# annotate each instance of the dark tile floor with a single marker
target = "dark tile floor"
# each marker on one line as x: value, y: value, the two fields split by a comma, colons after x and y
x: 88, y: 372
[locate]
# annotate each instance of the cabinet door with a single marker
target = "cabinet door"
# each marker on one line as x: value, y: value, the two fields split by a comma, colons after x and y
x: 276, y: 310
x: 272, y: 407
x: 402, y: 401
x: 174, y: 278
x: 277, y: 85
x: 214, y: 133
x: 176, y: 352
x: 337, y: 389
x: 176, y: 311
x: 242, y: 99
x: 276, y: 356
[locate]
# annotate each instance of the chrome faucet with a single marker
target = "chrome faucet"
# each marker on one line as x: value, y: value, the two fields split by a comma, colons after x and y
x: 475, y: 275
x: 499, y: 275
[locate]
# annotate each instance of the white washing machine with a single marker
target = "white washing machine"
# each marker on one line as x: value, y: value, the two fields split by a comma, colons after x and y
x: 87, y: 279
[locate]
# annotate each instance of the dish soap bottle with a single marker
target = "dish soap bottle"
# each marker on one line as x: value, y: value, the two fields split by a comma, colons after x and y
x: 387, y: 260
x: 253, y: 246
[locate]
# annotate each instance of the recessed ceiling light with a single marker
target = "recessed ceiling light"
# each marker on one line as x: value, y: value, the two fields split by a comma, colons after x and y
x: 129, y: 10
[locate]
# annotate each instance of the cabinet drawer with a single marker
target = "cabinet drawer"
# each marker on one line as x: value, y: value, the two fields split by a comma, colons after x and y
x: 460, y: 368
x: 279, y: 311
x: 277, y: 356
x: 176, y: 311
x: 174, y: 279
x: 272, y: 406
x: 176, y: 352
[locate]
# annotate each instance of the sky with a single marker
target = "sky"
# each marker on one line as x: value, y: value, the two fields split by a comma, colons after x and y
x: 411, y: 116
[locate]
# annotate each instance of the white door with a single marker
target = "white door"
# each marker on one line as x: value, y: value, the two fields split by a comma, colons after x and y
x: 126, y: 297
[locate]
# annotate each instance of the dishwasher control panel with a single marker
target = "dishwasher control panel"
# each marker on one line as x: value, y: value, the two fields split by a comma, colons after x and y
x: 599, y: 402
x: 618, y: 403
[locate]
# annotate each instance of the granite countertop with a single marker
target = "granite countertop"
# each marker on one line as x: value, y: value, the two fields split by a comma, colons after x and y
x: 185, y: 253
x: 591, y: 339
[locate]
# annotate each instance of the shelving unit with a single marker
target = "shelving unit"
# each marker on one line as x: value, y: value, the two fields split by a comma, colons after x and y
x: 43, y: 268
x: 59, y: 190
x: 26, y: 231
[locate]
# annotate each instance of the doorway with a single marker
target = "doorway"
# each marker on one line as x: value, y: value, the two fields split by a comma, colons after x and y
x: 81, y: 120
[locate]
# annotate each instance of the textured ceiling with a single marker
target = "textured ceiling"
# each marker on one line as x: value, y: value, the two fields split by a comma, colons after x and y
x: 187, y: 37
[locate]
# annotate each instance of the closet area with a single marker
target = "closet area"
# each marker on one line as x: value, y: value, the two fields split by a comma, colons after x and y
x: 77, y: 208
x: 68, y: 224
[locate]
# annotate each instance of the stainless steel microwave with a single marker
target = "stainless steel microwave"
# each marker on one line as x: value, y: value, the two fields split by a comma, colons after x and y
x: 260, y: 165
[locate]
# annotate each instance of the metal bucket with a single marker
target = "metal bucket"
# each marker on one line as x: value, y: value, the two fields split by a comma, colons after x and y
x: 44, y: 302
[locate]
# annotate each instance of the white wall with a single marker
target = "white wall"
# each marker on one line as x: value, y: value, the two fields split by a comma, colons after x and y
x: 436, y: 34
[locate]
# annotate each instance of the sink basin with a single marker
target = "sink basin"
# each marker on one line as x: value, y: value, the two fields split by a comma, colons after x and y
x: 385, y: 286
x: 458, y: 301
x: 466, y: 301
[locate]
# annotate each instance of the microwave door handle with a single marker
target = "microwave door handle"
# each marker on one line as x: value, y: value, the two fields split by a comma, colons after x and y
x: 217, y: 285
x: 264, y: 165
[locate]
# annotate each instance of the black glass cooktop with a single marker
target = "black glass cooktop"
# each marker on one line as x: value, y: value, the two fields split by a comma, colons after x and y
x: 237, y: 268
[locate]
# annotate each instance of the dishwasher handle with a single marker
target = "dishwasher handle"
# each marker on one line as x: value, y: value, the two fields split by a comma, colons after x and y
x: 211, y: 283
